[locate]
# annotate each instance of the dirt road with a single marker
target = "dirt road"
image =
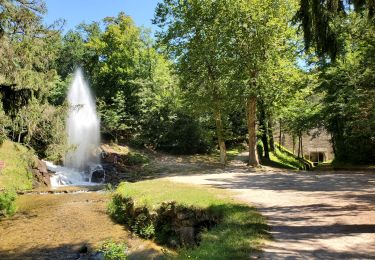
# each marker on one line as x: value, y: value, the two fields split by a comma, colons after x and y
x: 312, y: 215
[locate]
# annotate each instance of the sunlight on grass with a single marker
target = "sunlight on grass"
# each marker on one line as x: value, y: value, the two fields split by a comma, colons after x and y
x: 241, y: 231
x: 285, y: 159
x: 15, y: 175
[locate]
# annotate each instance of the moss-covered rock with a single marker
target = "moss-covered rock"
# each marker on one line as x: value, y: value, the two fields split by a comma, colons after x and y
x: 170, y: 224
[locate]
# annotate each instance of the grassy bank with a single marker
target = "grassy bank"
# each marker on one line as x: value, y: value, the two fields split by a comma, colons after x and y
x: 16, y: 174
x: 239, y: 233
x: 285, y: 160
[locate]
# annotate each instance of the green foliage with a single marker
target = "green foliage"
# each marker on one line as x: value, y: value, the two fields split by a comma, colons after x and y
x: 134, y: 158
x: 139, y: 220
x: 321, y: 23
x: 28, y: 49
x: 175, y: 131
x: 349, y: 101
x: 143, y: 226
x: 7, y: 203
x: 113, y: 250
x: 27, y: 77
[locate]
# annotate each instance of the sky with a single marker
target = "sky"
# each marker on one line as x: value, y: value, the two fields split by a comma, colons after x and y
x: 77, y: 11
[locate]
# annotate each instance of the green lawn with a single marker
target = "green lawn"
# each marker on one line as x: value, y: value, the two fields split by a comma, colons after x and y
x: 240, y: 232
x: 16, y: 174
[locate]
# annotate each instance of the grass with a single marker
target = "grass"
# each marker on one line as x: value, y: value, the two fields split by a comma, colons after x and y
x: 349, y: 165
x: 16, y: 174
x: 285, y: 160
x: 240, y: 233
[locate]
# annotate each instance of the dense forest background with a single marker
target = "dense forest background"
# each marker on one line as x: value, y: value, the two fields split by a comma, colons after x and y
x: 216, y: 74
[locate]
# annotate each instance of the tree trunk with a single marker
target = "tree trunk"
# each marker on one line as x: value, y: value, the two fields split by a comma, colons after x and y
x: 20, y: 132
x: 280, y: 135
x: 264, y: 128
x: 220, y: 137
x: 270, y: 134
x: 251, y: 127
x: 300, y: 154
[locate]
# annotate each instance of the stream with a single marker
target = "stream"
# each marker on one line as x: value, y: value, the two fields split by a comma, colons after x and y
x: 57, y: 226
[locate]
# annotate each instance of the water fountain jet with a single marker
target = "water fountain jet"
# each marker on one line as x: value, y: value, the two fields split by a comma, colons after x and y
x: 83, y: 132
x: 82, y: 125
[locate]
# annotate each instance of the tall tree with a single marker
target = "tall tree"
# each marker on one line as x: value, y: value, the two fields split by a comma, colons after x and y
x: 260, y: 32
x: 192, y: 33
x: 28, y: 50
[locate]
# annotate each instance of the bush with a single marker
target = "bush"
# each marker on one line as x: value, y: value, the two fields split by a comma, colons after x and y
x: 139, y: 220
x: 113, y: 251
x: 175, y: 132
x: 7, y: 203
x: 133, y: 158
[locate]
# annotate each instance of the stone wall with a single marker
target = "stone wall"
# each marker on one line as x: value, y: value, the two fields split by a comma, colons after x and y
x: 317, y: 144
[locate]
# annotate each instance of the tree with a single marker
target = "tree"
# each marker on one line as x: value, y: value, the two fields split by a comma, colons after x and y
x: 321, y: 28
x: 28, y: 49
x: 348, y: 84
x: 259, y: 30
x: 192, y: 33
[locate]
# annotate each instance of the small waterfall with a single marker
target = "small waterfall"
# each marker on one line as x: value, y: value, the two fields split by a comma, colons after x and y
x: 83, y: 137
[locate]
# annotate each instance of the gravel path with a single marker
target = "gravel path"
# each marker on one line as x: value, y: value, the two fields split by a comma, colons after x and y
x: 313, y: 215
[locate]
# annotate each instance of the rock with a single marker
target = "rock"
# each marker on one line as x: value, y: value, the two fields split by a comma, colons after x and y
x: 83, y: 250
x: 98, y: 176
x: 41, y: 175
x: 97, y: 256
x: 41, y: 166
x: 187, y: 236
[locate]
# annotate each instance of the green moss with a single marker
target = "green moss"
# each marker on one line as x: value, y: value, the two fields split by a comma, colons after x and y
x: 16, y: 174
x: 240, y: 232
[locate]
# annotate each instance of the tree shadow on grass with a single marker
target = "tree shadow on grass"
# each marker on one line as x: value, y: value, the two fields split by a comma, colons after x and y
x: 71, y: 252
x: 240, y: 234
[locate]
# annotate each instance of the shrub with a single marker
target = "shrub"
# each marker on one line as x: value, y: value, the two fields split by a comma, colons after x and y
x: 7, y: 203
x: 113, y: 250
x: 133, y: 158
x: 139, y: 220
x: 175, y: 132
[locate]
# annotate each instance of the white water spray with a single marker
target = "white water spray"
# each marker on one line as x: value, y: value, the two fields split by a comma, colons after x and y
x: 83, y: 137
x: 82, y: 125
